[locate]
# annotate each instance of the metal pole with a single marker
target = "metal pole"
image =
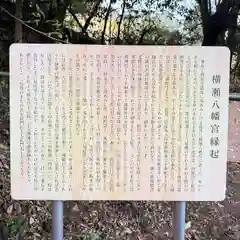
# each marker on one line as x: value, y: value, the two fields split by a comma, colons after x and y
x: 179, y: 220
x: 57, y: 220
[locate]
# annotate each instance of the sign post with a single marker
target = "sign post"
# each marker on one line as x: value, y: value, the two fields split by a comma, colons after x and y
x: 93, y: 122
x: 179, y: 220
x: 57, y: 220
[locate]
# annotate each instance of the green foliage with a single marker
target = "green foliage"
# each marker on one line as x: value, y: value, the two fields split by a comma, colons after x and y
x: 15, y: 226
x: 92, y: 236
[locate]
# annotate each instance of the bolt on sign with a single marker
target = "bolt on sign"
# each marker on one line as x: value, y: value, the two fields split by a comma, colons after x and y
x: 91, y: 122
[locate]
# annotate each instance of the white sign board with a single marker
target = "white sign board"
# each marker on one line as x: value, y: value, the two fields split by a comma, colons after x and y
x: 93, y: 122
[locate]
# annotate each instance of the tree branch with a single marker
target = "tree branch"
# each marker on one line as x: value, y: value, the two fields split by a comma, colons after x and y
x: 203, y: 4
x: 218, y: 23
x: 120, y: 21
x: 33, y: 29
x: 18, y: 24
x: 234, y: 70
x: 92, y: 14
x: 232, y: 32
x: 105, y: 21
x: 144, y: 32
x: 209, y: 7
x: 77, y: 21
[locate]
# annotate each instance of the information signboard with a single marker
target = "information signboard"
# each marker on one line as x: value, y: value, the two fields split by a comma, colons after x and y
x: 91, y: 122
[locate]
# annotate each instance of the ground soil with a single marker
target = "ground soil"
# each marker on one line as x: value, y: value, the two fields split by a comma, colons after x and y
x: 124, y: 220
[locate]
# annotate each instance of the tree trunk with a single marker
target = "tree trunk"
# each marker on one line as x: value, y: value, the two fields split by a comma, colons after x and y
x: 218, y: 23
x: 18, y: 24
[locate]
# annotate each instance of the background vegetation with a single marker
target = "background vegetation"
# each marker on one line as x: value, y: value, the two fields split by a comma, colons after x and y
x: 158, y: 22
